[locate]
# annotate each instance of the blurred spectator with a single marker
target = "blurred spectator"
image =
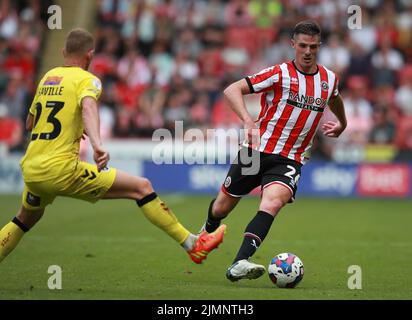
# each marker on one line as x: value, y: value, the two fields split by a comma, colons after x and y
x: 20, y: 63
x: 404, y: 133
x: 360, y: 61
x: 404, y: 92
x: 237, y: 13
x: 22, y: 25
x: 223, y: 117
x: 366, y: 37
x: 186, y: 67
x: 151, y: 104
x: 334, y: 55
x: 28, y: 37
x: 279, y: 51
x: 13, y: 99
x: 123, y: 124
x: 383, y: 130
x: 235, y: 58
x: 198, y: 13
x: 10, y: 131
x: 146, y: 27
x: 104, y: 63
x: 9, y: 22
x: 265, y: 12
x: 404, y: 24
x: 211, y: 62
x: 200, y: 111
x: 358, y: 112
x: 163, y: 64
x: 187, y: 44
x: 386, y: 62
x: 386, y: 30
x: 133, y: 69
x: 177, y: 108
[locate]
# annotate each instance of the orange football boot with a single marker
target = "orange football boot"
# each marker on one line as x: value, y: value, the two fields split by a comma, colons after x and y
x: 205, y: 243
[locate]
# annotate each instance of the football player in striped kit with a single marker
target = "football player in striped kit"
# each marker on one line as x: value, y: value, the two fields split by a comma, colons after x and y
x: 294, y: 95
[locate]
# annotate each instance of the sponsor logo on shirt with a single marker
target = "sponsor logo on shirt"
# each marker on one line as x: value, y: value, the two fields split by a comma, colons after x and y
x: 53, y: 81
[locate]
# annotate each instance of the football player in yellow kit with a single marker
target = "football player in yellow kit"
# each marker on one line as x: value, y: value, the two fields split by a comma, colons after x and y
x: 65, y: 106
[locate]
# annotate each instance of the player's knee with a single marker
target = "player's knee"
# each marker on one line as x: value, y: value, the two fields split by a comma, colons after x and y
x: 271, y: 206
x: 144, y: 188
x: 29, y: 218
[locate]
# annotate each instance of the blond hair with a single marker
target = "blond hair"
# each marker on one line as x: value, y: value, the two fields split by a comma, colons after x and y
x: 78, y: 42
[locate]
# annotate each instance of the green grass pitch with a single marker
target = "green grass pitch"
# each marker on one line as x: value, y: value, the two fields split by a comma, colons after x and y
x: 110, y: 251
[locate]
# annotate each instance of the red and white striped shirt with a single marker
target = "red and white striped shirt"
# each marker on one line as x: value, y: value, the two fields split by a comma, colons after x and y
x: 292, y: 104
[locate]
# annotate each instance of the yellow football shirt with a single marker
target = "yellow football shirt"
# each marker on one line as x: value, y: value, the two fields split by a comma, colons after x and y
x: 58, y: 125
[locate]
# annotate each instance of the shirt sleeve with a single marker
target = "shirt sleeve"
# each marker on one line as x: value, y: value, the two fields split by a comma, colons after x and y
x: 264, y: 80
x: 89, y: 87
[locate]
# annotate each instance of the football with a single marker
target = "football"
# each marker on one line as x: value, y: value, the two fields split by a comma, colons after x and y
x: 286, y: 270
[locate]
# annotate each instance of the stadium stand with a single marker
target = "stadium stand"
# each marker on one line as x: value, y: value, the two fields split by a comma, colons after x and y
x: 167, y: 60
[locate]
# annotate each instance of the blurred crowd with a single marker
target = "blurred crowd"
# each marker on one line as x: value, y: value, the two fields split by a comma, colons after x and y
x: 167, y: 60
x: 22, y: 30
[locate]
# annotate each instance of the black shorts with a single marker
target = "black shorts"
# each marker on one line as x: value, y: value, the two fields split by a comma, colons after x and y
x: 252, y: 168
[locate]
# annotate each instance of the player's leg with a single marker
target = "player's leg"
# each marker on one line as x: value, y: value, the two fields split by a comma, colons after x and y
x: 34, y: 200
x: 274, y: 197
x: 219, y: 209
x: 279, y: 184
x: 237, y: 184
x: 36, y: 196
x: 12, y: 232
x: 156, y: 211
x: 28, y: 218
x: 126, y: 186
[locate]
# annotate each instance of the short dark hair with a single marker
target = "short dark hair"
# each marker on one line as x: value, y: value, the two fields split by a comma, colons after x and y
x: 78, y: 41
x: 307, y: 27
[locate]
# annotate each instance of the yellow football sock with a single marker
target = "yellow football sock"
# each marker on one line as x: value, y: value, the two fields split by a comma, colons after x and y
x: 160, y: 215
x: 10, y: 236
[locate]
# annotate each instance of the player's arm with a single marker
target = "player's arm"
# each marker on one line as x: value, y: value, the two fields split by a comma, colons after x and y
x: 334, y: 129
x: 91, y: 121
x: 234, y: 96
x: 29, y: 122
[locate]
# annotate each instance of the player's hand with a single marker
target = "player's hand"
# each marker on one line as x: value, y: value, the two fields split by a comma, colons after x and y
x: 332, y: 129
x: 252, y: 134
x: 101, y: 157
